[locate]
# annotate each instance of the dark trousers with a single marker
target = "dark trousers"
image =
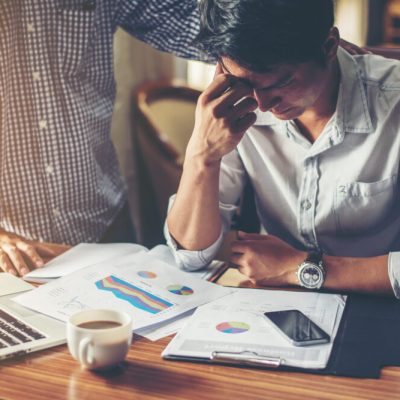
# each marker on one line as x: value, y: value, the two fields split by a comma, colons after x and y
x: 121, y: 230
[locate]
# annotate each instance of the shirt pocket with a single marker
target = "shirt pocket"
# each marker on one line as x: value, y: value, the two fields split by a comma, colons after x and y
x: 75, y: 37
x: 360, y: 207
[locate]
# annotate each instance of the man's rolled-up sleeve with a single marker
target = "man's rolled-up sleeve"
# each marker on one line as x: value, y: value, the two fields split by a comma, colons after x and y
x: 231, y: 183
x: 192, y: 260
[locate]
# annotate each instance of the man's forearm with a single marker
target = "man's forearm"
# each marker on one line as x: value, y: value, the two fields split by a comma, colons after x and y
x: 194, y: 220
x: 368, y: 275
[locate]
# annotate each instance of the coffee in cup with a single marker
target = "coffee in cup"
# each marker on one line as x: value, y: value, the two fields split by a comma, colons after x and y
x: 99, y: 338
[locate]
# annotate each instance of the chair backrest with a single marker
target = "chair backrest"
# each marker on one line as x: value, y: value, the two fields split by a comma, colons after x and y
x: 164, y: 117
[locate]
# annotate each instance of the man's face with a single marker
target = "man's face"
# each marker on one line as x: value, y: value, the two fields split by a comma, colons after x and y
x: 287, y: 91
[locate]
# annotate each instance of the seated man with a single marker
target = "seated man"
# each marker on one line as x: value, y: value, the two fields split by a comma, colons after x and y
x: 315, y: 130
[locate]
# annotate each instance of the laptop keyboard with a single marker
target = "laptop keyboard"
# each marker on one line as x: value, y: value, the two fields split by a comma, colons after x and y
x: 13, y: 331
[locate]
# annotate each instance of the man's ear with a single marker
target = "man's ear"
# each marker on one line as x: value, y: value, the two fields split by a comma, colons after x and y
x: 331, y: 45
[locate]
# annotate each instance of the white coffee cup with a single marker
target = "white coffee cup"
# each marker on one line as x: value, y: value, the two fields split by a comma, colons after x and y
x: 99, y: 338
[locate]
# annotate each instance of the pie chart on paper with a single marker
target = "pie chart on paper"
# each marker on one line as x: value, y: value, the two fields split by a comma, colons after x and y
x: 147, y: 274
x: 180, y: 290
x: 233, y: 327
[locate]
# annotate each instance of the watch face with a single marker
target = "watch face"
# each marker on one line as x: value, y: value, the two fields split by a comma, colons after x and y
x: 310, y: 275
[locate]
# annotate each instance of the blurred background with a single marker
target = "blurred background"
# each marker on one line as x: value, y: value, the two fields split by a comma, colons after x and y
x: 363, y: 22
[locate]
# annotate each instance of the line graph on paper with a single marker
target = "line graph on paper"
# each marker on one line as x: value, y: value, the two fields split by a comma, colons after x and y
x: 72, y: 306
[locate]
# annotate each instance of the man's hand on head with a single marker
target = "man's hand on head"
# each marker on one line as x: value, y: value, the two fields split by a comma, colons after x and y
x: 18, y: 255
x: 225, y: 110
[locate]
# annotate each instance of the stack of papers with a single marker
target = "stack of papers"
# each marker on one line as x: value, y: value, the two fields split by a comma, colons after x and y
x: 86, y: 254
x: 235, y: 325
x: 153, y: 292
x: 81, y: 256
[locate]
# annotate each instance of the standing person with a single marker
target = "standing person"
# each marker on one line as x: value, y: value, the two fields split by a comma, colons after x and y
x: 315, y: 130
x: 59, y: 176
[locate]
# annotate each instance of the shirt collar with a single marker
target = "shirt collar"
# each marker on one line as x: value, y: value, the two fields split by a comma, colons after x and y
x: 265, y: 118
x: 352, y: 107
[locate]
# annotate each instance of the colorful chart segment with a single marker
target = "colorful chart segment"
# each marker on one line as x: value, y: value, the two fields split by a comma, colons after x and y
x: 137, y: 297
x: 180, y: 290
x: 233, y: 327
x: 147, y: 274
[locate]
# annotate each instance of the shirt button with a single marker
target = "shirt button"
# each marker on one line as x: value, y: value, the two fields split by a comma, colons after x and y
x: 36, y: 76
x: 49, y: 169
x: 30, y: 28
x: 43, y: 124
x: 306, y: 205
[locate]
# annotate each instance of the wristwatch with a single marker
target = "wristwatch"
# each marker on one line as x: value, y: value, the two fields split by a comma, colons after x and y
x: 311, y: 272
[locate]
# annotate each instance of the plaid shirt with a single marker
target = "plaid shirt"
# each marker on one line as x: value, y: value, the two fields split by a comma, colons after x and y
x: 59, y: 175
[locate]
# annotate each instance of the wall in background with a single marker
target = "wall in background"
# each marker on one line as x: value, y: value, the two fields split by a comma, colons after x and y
x: 352, y: 20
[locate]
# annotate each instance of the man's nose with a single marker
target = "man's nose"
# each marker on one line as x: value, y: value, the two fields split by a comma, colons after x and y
x: 266, y: 101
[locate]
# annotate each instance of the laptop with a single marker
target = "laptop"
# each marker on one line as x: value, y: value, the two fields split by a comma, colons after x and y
x: 21, y: 329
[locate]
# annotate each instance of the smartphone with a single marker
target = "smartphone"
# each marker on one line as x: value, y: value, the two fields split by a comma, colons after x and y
x: 297, y: 328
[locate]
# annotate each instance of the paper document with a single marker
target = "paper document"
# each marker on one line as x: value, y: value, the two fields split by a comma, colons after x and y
x: 148, y: 289
x: 81, y: 256
x: 235, y: 325
x: 86, y: 254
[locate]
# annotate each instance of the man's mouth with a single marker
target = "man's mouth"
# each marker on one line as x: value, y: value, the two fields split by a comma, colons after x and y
x: 280, y: 110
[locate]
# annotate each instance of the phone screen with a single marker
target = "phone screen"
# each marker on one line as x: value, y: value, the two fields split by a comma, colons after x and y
x: 297, y: 327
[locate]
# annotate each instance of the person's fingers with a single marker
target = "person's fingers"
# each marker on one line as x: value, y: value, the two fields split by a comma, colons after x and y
x: 218, y: 70
x: 5, y: 263
x: 218, y: 86
x: 251, y: 236
x: 245, y: 123
x: 30, y: 253
x: 16, y: 258
x: 236, y: 259
x: 226, y: 105
x: 244, y: 107
x: 237, y: 91
x: 242, y: 246
x: 238, y: 247
x: 44, y: 250
x: 352, y: 48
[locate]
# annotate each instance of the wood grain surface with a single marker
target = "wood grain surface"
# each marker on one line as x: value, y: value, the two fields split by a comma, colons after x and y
x: 54, y: 374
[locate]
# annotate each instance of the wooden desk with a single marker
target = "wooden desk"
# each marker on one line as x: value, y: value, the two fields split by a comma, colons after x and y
x: 54, y: 374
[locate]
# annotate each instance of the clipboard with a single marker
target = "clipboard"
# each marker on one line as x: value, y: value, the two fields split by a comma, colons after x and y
x: 233, y: 330
x: 367, y: 340
x: 242, y: 359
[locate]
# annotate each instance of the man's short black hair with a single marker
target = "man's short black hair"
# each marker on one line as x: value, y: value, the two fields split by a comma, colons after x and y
x: 262, y: 34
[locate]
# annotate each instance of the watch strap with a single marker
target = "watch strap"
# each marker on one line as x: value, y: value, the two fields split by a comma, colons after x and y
x: 314, y: 257
x: 312, y: 264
